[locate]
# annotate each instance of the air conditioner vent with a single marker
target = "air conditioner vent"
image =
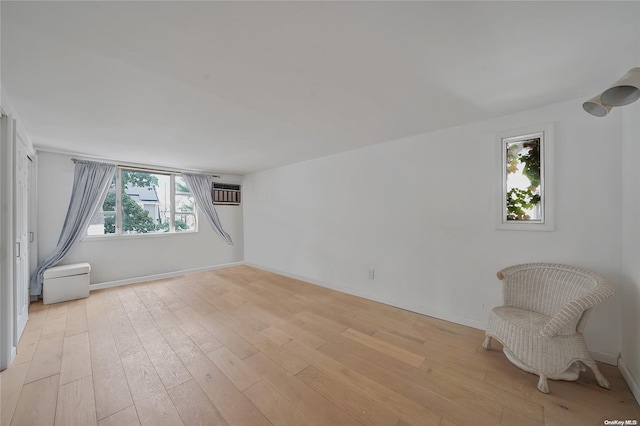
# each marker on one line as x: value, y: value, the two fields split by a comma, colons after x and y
x: 226, y: 193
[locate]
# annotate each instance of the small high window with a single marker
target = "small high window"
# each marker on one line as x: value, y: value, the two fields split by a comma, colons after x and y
x: 524, y: 179
x: 525, y: 194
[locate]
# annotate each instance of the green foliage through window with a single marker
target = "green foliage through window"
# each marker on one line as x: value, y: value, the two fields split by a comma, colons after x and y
x: 523, y: 179
x: 149, y: 203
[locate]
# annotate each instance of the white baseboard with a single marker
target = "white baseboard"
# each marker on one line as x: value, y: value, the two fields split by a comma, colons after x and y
x: 607, y: 358
x: 628, y: 377
x: 118, y: 283
x: 407, y: 306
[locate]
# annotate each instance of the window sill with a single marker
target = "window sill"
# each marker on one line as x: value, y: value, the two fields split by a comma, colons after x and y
x: 525, y: 226
x: 111, y: 237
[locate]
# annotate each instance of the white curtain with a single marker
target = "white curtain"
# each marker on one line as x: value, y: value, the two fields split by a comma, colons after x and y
x: 90, y: 185
x: 200, y: 186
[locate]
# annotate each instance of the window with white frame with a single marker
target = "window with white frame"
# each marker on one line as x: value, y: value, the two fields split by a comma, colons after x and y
x: 526, y: 179
x: 145, y: 202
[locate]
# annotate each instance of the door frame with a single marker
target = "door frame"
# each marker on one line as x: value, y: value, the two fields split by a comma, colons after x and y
x: 21, y: 289
x: 33, y: 214
x: 7, y: 134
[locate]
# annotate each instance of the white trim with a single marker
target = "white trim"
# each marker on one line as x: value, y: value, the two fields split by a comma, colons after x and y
x: 7, y: 244
x: 118, y: 283
x: 628, y: 377
x: 607, y: 358
x: 547, y: 179
x: 110, y: 237
x: 409, y: 307
x: 172, y: 203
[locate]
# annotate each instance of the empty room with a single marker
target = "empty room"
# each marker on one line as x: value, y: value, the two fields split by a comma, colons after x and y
x: 319, y: 212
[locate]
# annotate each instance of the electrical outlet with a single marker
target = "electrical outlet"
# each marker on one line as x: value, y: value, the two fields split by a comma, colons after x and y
x: 372, y: 273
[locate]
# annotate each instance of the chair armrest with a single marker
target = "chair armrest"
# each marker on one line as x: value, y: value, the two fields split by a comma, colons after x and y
x: 574, y: 309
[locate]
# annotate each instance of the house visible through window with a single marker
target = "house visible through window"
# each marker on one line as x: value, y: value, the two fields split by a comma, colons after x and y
x: 142, y: 202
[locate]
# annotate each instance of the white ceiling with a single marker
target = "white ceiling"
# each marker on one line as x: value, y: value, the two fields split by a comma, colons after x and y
x: 245, y: 86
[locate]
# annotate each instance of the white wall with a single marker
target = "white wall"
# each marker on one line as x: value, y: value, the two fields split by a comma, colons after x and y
x: 630, y: 284
x: 421, y: 212
x: 124, y: 258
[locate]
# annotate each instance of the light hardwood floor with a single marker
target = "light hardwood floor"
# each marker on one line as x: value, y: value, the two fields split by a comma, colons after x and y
x: 241, y: 346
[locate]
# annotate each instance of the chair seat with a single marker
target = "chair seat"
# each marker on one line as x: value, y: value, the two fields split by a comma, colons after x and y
x: 545, y: 309
x: 519, y: 330
x: 522, y: 318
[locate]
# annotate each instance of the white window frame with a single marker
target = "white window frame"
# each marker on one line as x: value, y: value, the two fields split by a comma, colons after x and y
x: 172, y: 213
x: 547, y: 178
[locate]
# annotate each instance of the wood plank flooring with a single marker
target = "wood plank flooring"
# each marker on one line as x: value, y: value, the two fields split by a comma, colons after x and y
x: 241, y: 346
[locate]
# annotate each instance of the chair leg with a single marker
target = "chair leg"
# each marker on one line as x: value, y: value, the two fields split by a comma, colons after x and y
x: 487, y: 343
x: 602, y: 381
x: 542, y: 384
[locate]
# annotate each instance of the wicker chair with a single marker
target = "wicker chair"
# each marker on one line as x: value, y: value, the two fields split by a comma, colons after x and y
x: 540, y: 325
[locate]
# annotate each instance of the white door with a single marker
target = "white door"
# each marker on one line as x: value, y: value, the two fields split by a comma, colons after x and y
x: 22, y: 168
x: 7, y: 256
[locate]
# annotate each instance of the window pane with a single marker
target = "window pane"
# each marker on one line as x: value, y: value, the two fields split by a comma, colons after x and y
x: 184, y: 199
x: 185, y: 222
x: 145, y: 201
x: 104, y: 222
x: 523, y: 182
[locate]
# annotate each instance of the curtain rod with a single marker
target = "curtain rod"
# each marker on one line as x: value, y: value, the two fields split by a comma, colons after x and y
x: 145, y: 168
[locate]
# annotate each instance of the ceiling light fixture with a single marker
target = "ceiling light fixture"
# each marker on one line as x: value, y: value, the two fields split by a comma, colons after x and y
x: 595, y: 106
x: 622, y: 92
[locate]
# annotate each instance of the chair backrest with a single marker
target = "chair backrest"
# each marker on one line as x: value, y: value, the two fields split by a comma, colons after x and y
x: 547, y: 287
